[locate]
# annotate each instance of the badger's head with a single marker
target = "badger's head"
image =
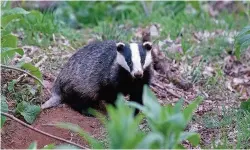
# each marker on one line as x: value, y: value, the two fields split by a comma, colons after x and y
x: 134, y: 57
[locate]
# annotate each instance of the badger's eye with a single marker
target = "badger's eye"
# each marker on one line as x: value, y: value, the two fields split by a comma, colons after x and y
x: 147, y: 45
x: 120, y: 46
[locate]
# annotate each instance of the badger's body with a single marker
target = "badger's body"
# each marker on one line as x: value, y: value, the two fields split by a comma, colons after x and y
x: 101, y: 70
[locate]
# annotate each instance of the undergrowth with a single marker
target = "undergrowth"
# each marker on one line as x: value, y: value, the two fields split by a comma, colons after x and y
x: 232, y: 124
x: 166, y: 123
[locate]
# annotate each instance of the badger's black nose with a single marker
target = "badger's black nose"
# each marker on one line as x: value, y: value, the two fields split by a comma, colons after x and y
x: 138, y: 74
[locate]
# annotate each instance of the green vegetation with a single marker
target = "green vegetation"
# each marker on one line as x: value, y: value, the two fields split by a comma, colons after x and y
x: 240, y: 118
x: 8, y: 50
x: 242, y: 41
x: 166, y: 123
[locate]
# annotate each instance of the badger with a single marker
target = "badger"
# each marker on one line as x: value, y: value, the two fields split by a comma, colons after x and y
x: 100, y: 71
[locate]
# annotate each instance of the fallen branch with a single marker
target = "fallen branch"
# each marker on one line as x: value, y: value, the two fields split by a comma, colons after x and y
x: 165, y: 89
x: 170, y: 92
x: 175, y: 80
x: 39, y: 131
x: 21, y: 70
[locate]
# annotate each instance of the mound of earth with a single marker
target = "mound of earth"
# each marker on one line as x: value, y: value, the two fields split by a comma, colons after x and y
x: 16, y: 136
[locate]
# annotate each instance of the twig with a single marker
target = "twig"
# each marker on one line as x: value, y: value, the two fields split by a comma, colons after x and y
x: 167, y: 86
x: 20, y: 78
x: 14, y: 68
x: 21, y: 70
x: 39, y: 131
x: 170, y: 92
x: 41, y: 61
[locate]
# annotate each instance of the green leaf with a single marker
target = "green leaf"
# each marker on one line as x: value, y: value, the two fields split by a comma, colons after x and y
x: 150, y: 100
x: 177, y: 120
x: 12, y: 14
x: 190, y: 108
x: 65, y: 146
x: 123, y: 126
x: 152, y: 140
x: 192, y: 137
x: 245, y: 44
x: 138, y: 106
x: 179, y: 146
x: 33, y: 70
x: 49, y: 146
x: 33, y: 145
x: 245, y: 105
x: 245, y: 30
x: 4, y: 108
x: 28, y: 111
x: 3, y: 119
x: 75, y: 128
x: 237, y: 51
x: 14, y: 11
x: 4, y: 105
x: 8, y: 53
x: 243, y: 39
x: 11, y: 85
x: 178, y: 106
x: 9, y: 40
x: 195, y: 5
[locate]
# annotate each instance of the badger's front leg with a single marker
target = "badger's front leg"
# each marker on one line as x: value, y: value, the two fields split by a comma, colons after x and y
x: 136, y: 96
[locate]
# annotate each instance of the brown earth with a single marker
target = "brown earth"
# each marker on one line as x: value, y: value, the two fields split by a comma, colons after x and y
x: 16, y: 136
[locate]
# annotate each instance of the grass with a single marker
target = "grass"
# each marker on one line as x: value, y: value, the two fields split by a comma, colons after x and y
x: 225, y: 124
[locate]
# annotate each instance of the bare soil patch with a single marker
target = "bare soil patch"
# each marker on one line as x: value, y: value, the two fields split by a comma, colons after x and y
x: 15, y: 135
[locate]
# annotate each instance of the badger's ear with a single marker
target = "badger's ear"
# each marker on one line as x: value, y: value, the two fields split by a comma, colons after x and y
x: 147, y: 45
x: 120, y: 46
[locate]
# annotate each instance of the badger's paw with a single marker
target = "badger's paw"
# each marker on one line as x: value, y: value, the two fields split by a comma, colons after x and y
x: 53, y: 101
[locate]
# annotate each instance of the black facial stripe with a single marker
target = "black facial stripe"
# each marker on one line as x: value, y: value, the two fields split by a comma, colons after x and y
x: 126, y: 52
x: 143, y: 53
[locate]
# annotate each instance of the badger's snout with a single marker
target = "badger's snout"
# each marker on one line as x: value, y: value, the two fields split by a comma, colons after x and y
x: 138, y: 74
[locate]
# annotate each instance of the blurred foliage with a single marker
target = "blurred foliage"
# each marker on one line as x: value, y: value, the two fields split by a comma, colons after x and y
x: 176, y: 18
x: 4, y: 108
x: 242, y: 41
x: 105, y: 31
x: 37, y: 28
x: 82, y: 13
x: 167, y: 124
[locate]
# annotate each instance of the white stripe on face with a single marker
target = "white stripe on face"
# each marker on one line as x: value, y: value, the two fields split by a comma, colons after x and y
x: 136, y: 58
x: 121, y: 61
x: 148, y: 59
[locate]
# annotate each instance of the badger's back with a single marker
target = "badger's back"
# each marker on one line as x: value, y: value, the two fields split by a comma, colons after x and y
x: 86, y: 72
x: 89, y: 62
x: 101, y: 70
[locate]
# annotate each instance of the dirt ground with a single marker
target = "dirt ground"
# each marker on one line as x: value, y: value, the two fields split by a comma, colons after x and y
x: 15, y: 135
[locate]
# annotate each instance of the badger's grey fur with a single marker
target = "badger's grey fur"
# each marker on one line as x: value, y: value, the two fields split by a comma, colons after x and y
x: 101, y: 70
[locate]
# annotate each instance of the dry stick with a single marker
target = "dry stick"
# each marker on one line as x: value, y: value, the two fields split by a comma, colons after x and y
x: 41, y: 61
x: 39, y: 131
x: 163, y: 88
x: 170, y: 92
x: 14, y: 68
